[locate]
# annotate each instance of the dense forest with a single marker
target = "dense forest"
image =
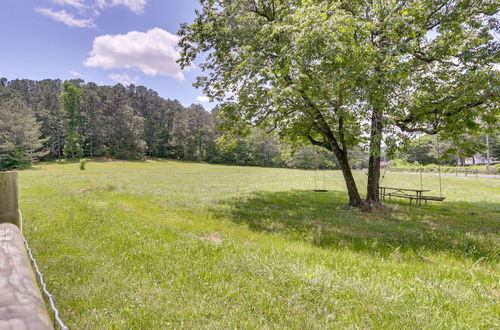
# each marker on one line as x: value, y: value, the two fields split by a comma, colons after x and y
x: 52, y: 119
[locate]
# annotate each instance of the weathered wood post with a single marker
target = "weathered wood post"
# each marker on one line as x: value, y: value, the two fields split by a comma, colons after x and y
x: 21, y: 303
x: 8, y: 198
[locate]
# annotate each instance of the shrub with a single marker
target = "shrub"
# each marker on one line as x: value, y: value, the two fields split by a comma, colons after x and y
x: 17, y: 157
x: 83, y: 164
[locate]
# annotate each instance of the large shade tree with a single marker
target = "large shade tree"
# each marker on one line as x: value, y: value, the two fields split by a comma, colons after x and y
x: 341, y: 73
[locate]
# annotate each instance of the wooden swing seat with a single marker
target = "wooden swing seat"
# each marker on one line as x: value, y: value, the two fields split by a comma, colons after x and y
x: 432, y: 198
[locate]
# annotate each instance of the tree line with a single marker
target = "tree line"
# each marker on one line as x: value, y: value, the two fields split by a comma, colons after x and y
x: 426, y: 150
x: 51, y: 119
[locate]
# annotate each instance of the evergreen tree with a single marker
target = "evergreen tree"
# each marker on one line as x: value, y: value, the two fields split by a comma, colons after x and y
x: 20, y: 141
x: 71, y: 105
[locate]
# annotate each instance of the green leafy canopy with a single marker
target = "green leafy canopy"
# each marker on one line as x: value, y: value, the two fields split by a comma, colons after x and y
x: 428, y: 64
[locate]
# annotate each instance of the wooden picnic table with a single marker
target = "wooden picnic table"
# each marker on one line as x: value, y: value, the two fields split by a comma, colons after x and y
x: 411, y: 194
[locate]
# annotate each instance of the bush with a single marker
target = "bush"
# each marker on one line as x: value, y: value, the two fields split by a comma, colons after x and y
x: 17, y: 157
x: 83, y: 164
x: 400, y: 163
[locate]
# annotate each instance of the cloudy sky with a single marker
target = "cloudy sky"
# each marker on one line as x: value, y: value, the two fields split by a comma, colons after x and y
x: 104, y: 41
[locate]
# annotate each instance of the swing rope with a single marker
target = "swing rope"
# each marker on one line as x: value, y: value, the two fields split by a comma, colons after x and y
x: 316, y: 185
x: 386, y: 165
x: 316, y: 167
x: 421, y: 184
x: 324, y: 179
x: 439, y: 166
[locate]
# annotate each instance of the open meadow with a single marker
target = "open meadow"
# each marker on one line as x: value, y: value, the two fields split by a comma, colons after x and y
x: 167, y: 244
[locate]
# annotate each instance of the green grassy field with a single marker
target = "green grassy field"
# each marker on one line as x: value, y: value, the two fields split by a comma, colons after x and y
x: 133, y: 245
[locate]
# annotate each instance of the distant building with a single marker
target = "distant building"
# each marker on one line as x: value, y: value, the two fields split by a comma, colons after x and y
x: 479, y: 159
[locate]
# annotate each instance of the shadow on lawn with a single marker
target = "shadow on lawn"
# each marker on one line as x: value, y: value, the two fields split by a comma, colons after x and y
x: 322, y: 219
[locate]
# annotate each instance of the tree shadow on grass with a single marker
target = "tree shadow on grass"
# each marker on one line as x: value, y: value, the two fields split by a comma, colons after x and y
x: 322, y: 219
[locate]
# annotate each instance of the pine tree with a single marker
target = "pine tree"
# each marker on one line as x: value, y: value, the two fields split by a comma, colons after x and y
x: 20, y: 141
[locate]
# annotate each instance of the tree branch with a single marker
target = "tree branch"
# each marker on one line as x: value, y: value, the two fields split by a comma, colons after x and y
x: 323, y: 144
x: 413, y: 119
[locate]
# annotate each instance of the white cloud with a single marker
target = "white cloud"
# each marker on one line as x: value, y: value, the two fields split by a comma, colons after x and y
x: 123, y: 78
x: 202, y: 98
x: 76, y: 74
x: 66, y: 18
x: 79, y: 4
x: 88, y: 8
x: 137, y: 6
x: 100, y: 3
x: 153, y: 52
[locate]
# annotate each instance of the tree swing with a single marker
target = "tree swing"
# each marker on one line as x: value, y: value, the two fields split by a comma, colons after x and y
x: 439, y: 198
x: 316, y: 184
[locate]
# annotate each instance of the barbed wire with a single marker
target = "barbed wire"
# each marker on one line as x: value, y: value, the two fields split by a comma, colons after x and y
x: 50, y: 297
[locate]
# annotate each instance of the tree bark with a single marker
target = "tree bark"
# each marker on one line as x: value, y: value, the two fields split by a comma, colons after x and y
x: 372, y: 194
x: 58, y: 145
x: 91, y: 146
x: 352, y: 190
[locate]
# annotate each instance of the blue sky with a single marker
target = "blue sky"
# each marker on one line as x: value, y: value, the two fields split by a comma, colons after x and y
x: 104, y: 41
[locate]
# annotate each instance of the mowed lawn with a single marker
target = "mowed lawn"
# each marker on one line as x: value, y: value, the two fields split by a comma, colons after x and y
x: 165, y: 244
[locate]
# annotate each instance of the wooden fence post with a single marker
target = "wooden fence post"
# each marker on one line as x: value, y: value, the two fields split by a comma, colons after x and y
x: 8, y: 198
x: 21, y: 303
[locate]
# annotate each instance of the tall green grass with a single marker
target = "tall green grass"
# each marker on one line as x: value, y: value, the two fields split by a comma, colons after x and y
x: 136, y: 245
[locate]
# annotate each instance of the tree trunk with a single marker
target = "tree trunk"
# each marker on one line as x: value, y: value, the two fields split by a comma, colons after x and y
x: 58, y: 145
x: 91, y: 147
x: 352, y: 189
x: 372, y: 194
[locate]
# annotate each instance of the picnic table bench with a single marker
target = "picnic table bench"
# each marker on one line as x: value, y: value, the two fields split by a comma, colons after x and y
x: 411, y: 194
